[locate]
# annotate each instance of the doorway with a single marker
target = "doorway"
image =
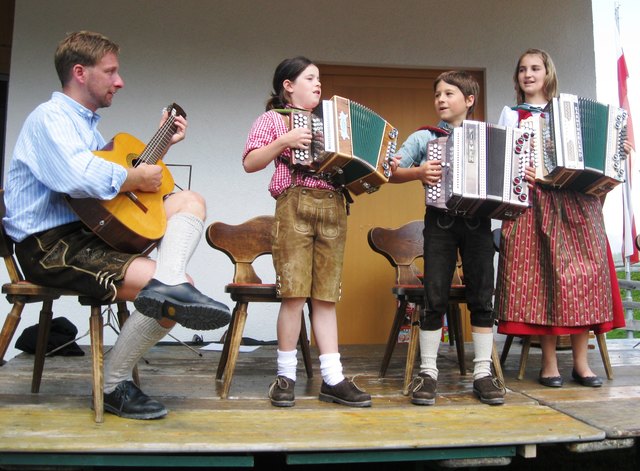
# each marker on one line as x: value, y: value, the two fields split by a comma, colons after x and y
x: 404, y: 98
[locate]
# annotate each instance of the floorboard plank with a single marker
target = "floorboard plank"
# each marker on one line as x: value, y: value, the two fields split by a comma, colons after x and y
x: 59, y: 418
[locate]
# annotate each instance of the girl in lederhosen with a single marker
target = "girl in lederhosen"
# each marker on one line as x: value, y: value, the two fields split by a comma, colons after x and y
x: 308, y: 239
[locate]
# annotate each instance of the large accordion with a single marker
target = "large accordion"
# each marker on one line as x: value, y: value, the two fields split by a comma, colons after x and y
x: 579, y: 144
x: 352, y: 144
x: 483, y: 171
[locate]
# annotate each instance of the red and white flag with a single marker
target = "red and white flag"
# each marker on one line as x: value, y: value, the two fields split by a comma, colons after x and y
x: 629, y: 229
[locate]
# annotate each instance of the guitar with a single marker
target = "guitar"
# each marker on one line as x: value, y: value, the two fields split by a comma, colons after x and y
x: 133, y: 221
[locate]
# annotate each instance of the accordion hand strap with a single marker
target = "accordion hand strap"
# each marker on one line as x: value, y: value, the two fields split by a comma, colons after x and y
x: 434, y: 129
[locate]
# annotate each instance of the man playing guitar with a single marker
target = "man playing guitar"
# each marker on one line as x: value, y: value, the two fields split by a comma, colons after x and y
x: 54, y: 159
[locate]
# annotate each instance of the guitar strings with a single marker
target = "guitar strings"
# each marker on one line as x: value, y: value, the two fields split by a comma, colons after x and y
x: 158, y: 143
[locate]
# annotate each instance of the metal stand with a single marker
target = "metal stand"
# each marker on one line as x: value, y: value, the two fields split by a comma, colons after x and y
x: 111, y: 320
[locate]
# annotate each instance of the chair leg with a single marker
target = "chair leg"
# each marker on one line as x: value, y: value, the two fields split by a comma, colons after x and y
x: 123, y: 315
x: 234, y: 347
x: 524, y: 356
x: 44, y: 326
x: 95, y: 328
x: 393, y: 337
x: 10, y: 326
x: 456, y: 319
x: 505, y: 350
x: 604, y: 354
x: 224, y: 356
x: 497, y: 367
x: 304, y: 345
x: 412, y: 350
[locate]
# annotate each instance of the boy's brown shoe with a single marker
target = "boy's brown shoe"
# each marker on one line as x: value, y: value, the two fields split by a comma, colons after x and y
x: 345, y: 393
x: 281, y: 392
x: 423, y: 390
x: 489, y: 390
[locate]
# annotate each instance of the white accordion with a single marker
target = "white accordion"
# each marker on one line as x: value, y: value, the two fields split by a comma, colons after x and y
x: 579, y: 144
x: 483, y: 171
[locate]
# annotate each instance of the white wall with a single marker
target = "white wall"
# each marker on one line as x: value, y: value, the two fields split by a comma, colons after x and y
x: 216, y: 59
x: 606, y: 54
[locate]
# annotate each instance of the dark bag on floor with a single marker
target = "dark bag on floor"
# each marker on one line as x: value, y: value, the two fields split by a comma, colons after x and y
x: 62, y: 331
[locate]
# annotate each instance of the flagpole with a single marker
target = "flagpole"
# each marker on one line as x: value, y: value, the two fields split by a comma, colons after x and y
x: 625, y: 253
x: 628, y: 220
x: 628, y: 297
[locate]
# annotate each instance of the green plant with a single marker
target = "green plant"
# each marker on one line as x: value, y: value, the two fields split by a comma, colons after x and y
x: 621, y: 333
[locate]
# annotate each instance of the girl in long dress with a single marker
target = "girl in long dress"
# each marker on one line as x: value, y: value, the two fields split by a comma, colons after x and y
x: 555, y: 273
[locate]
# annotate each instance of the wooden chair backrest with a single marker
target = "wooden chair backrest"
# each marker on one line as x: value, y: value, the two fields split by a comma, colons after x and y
x: 402, y: 247
x: 6, y: 247
x: 242, y: 243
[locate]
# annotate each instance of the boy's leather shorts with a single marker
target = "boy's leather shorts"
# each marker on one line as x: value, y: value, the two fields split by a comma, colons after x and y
x: 308, y: 243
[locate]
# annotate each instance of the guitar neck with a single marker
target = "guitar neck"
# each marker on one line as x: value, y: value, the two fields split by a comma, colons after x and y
x: 159, y: 143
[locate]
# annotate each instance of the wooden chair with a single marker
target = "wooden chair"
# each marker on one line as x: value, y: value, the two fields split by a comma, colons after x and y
x: 20, y: 292
x: 243, y: 244
x: 402, y: 247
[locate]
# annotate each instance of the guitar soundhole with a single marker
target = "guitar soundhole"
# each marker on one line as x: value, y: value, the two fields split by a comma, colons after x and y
x: 132, y: 160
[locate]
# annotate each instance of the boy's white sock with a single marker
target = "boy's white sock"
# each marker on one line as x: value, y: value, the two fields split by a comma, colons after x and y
x: 331, y: 368
x: 287, y: 364
x: 483, y: 347
x: 429, y: 345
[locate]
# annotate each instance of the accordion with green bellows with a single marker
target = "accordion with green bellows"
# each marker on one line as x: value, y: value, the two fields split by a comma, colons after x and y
x: 583, y: 144
x: 352, y: 145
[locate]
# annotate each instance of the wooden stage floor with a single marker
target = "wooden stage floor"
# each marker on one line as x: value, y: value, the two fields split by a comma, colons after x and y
x: 536, y: 425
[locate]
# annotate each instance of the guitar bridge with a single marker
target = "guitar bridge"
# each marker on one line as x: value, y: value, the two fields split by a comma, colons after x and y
x: 132, y: 196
